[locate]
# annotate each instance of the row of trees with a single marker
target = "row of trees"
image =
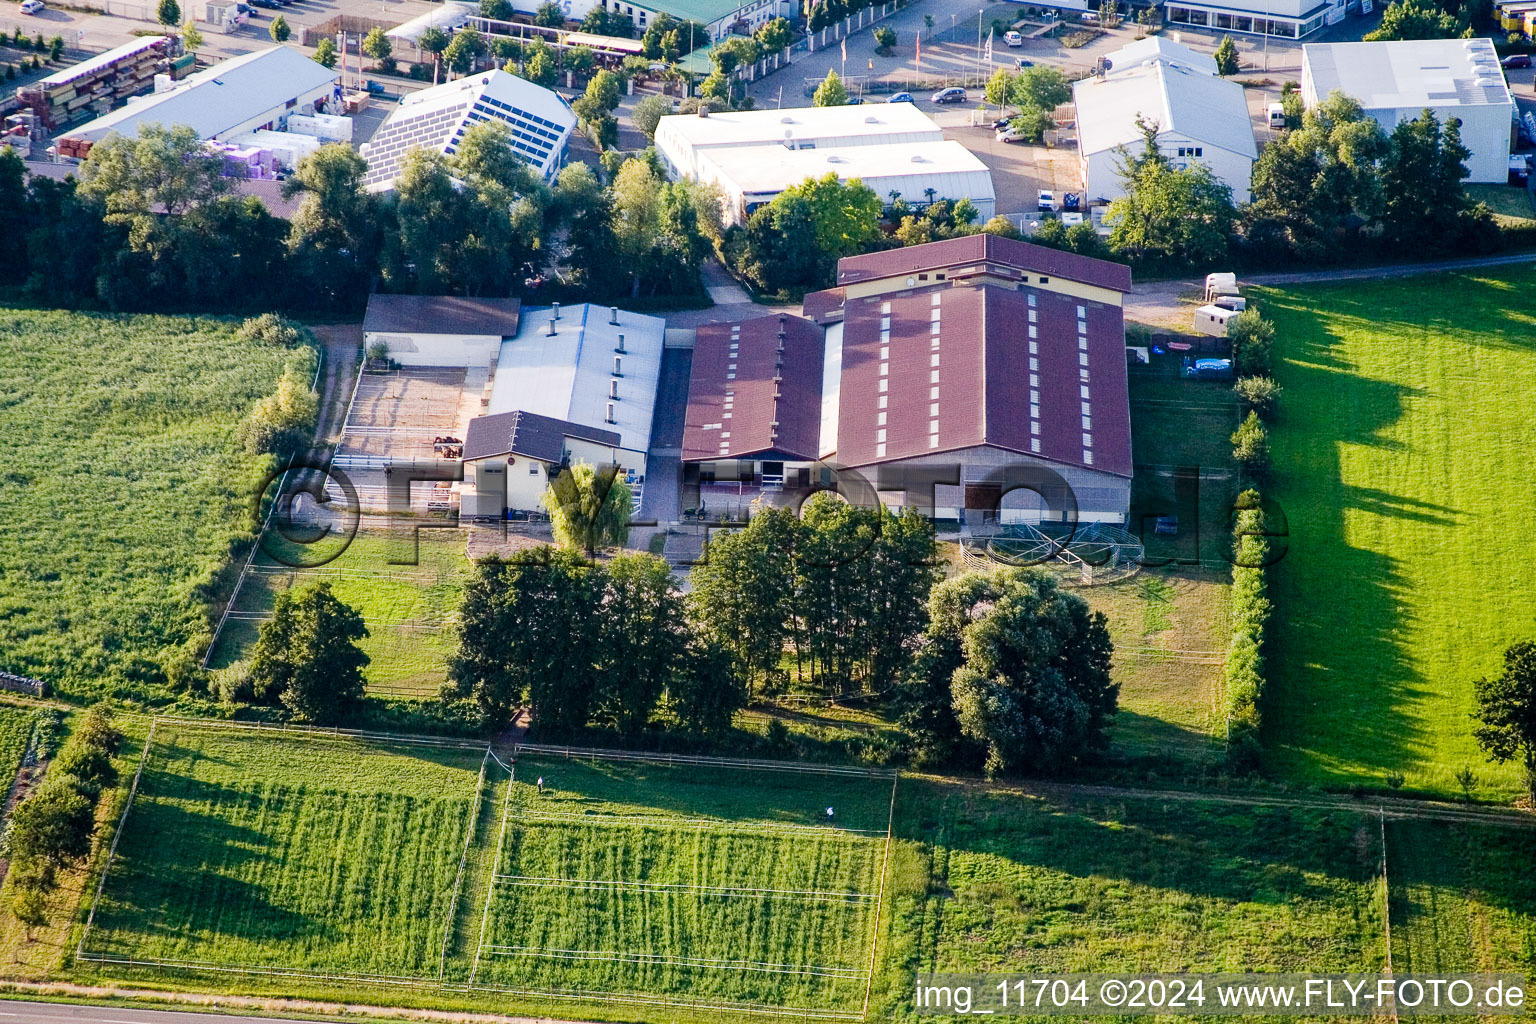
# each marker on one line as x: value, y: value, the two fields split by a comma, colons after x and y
x: 52, y: 828
x: 1334, y: 188
x: 153, y: 224
x: 833, y: 596
x: 586, y: 643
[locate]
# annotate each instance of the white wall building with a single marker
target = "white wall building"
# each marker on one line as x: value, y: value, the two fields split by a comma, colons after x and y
x: 583, y: 373
x: 437, y: 118
x: 1154, y: 48
x: 1288, y: 19
x: 1201, y: 118
x: 440, y: 330
x: 242, y: 94
x: 754, y: 175
x: 682, y: 139
x: 1397, y: 81
x: 576, y: 383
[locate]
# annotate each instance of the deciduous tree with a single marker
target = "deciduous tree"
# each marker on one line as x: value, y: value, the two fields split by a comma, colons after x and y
x: 589, y: 507
x: 1506, y: 709
x: 307, y: 656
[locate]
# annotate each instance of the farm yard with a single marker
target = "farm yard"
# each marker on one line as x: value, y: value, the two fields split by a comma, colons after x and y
x: 125, y: 488
x: 1401, y: 456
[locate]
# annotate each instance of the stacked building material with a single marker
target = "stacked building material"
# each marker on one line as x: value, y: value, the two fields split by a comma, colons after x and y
x: 96, y: 85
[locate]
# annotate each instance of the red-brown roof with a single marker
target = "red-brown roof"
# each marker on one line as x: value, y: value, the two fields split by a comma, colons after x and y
x: 823, y: 305
x: 957, y: 252
x: 987, y: 391
x: 774, y: 409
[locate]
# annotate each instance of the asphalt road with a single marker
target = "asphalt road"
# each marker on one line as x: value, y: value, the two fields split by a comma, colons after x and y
x: 41, y: 1013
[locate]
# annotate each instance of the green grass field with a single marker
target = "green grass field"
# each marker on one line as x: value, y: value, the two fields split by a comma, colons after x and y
x: 1401, y: 459
x: 409, y: 609
x: 1004, y: 882
x: 1463, y: 897
x: 123, y: 485
x: 690, y: 883
x: 260, y: 851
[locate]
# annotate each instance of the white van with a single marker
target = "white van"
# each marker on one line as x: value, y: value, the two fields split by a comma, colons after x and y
x: 1013, y: 39
x: 1276, y: 116
x: 1090, y: 18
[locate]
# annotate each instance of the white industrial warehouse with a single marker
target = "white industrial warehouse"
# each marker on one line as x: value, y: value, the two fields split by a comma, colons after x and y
x: 540, y: 123
x: 258, y: 90
x: 682, y: 139
x: 917, y: 171
x: 1201, y: 118
x: 1396, y: 81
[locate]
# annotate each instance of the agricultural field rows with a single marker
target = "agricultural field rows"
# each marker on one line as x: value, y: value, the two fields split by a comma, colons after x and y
x: 340, y: 858
x: 691, y: 892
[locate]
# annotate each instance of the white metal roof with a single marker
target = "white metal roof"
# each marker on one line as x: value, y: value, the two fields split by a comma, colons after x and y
x: 1158, y: 48
x: 220, y: 98
x: 844, y: 123
x: 1192, y: 104
x: 436, y: 118
x: 1410, y: 73
x: 447, y: 17
x: 949, y: 168
x: 570, y: 375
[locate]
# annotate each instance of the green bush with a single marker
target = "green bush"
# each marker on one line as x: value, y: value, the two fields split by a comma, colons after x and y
x: 1250, y: 444
x: 1244, y: 672
x: 1258, y: 394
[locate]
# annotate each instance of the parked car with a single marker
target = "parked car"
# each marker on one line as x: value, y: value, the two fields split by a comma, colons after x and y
x: 954, y: 94
x: 1006, y: 132
x: 1023, y: 62
x: 854, y: 101
x: 1046, y: 200
x: 31, y: 6
x: 1013, y: 39
x: 1070, y: 201
x: 901, y: 97
x: 1516, y: 60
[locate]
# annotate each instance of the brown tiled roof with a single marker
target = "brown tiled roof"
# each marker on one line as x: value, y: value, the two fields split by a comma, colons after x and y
x: 527, y: 434
x: 823, y: 305
x: 775, y: 410
x: 957, y: 252
x: 441, y: 314
x: 986, y: 385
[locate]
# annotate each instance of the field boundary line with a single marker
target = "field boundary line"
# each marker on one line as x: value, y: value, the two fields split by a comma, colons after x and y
x: 597, y: 753
x: 549, y: 882
x: 490, y: 889
x: 722, y: 824
x: 458, y: 879
x: 273, y: 972
x: 117, y: 835
x: 282, y: 728
x: 1386, y: 902
x: 702, y: 963
x: 885, y: 864
x: 640, y: 999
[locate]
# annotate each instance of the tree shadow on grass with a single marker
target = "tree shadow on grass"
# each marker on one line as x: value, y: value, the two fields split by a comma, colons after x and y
x: 1342, y: 684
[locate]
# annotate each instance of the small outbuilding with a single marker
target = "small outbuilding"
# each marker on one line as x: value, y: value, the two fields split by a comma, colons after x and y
x: 1212, y: 320
x: 440, y: 330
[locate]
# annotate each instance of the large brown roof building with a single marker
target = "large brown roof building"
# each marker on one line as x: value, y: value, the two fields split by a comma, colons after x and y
x: 983, y: 362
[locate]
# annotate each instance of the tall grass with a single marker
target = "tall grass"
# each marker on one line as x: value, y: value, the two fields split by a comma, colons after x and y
x: 125, y: 493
